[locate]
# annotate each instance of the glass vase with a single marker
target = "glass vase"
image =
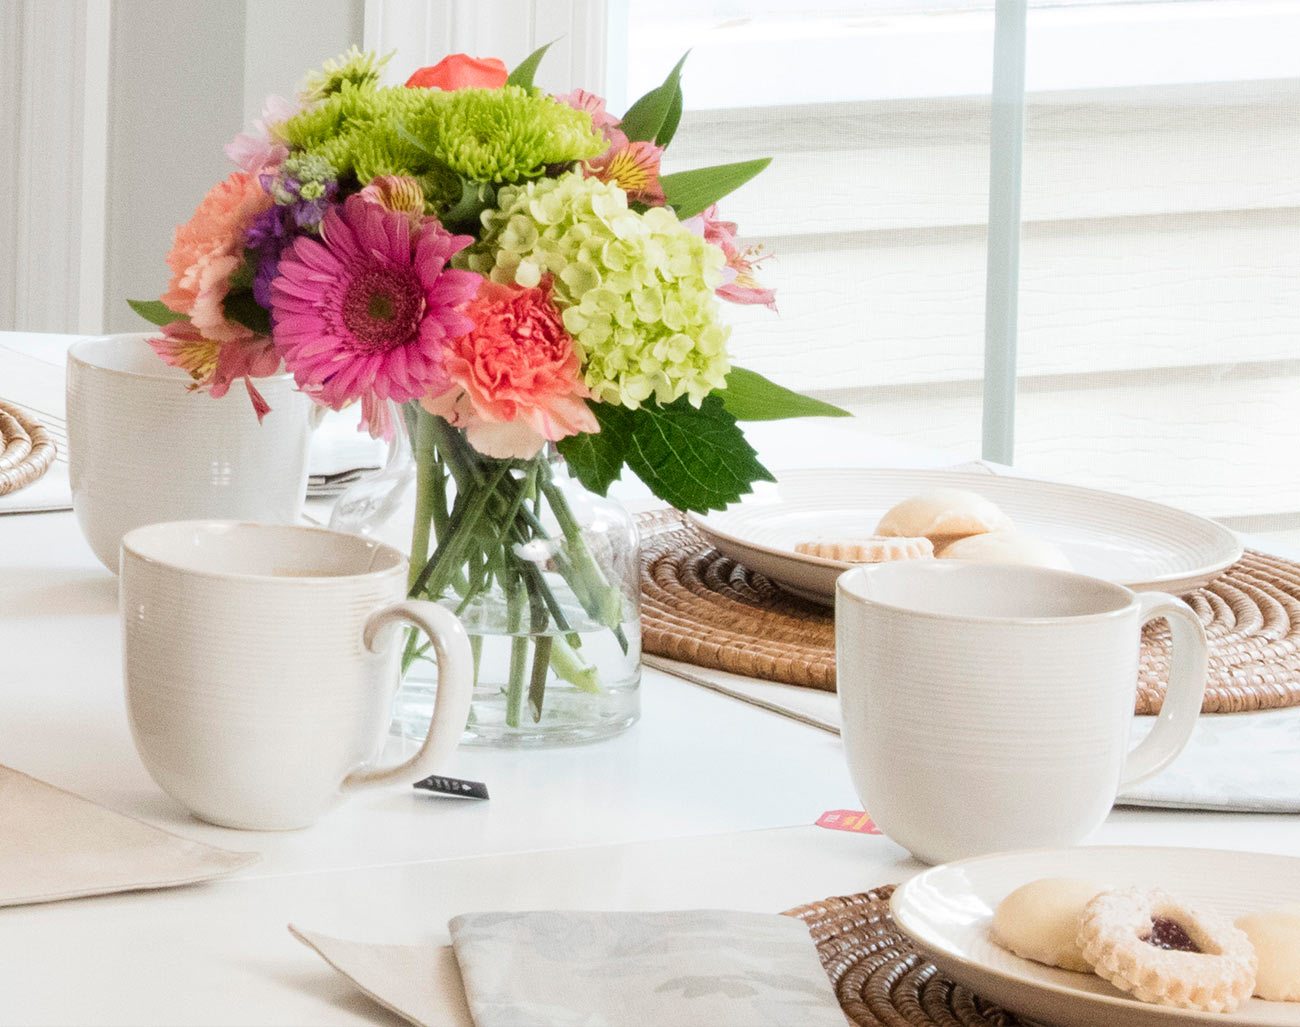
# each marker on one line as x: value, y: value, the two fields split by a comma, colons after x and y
x: 543, y: 574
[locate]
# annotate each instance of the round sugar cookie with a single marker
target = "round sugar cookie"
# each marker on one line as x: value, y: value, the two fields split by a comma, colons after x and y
x: 868, y: 550
x: 1007, y: 547
x: 1040, y: 921
x: 1163, y: 951
x: 1276, y: 937
x: 945, y: 514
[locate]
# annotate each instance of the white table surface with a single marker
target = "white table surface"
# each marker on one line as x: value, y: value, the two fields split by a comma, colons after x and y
x: 706, y: 802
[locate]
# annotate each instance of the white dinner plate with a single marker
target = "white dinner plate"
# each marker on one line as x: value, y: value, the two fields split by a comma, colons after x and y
x: 947, y: 911
x: 1133, y: 542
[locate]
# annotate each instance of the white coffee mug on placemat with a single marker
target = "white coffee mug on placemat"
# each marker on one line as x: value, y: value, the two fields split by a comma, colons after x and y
x: 144, y: 448
x: 261, y: 662
x: 989, y: 707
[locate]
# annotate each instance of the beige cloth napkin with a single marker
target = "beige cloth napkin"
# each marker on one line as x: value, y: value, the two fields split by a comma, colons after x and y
x: 55, y: 845
x: 418, y: 982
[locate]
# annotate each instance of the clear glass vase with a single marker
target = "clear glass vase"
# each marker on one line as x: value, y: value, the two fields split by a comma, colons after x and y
x: 543, y: 574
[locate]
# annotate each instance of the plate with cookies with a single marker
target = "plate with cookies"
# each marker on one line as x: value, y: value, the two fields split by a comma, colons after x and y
x: 810, y: 526
x: 1120, y: 936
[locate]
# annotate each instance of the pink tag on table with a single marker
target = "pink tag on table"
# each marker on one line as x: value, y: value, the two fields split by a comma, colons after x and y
x: 848, y: 820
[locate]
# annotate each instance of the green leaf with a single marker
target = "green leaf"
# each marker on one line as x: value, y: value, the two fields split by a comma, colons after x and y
x: 646, y: 118
x: 597, y: 459
x: 689, y: 192
x: 695, y: 459
x: 155, y: 312
x: 241, y: 307
x: 669, y: 128
x: 242, y: 276
x: 527, y: 68
x: 748, y: 396
x: 463, y: 215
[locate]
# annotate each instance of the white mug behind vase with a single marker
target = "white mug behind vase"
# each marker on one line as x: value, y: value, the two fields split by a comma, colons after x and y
x: 144, y: 448
x: 989, y: 707
x: 261, y: 662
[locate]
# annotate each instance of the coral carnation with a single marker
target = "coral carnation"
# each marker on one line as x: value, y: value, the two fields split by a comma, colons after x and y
x: 367, y: 312
x: 207, y: 250
x: 517, y: 367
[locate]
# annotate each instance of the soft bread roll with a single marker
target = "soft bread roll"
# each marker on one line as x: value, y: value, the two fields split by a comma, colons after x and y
x: 1006, y: 547
x: 943, y: 514
x: 1040, y: 921
x: 1276, y: 938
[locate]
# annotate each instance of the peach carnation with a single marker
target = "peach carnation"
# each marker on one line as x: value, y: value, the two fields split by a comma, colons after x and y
x: 208, y: 249
x: 517, y: 377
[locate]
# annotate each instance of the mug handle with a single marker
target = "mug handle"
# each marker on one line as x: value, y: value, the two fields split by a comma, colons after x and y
x: 1182, y: 705
x: 451, y: 703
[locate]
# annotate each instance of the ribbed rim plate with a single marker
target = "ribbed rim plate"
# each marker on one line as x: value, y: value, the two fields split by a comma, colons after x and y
x: 947, y: 911
x: 1130, y: 541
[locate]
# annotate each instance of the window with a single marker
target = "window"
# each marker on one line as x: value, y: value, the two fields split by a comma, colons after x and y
x: 1159, y: 327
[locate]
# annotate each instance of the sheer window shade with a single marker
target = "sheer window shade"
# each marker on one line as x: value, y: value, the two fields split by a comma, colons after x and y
x: 1159, y: 300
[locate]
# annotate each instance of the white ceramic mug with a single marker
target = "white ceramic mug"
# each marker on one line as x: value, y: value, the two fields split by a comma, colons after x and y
x: 261, y: 662
x: 143, y: 448
x: 989, y: 707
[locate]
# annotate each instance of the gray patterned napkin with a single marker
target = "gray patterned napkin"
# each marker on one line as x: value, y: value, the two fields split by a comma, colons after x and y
x: 692, y: 968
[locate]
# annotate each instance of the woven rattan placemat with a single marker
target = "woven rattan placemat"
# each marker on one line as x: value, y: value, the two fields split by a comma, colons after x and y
x: 879, y: 976
x: 700, y: 607
x: 26, y: 449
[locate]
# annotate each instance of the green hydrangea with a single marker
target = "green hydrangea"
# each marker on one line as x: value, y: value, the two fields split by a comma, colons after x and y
x: 636, y: 289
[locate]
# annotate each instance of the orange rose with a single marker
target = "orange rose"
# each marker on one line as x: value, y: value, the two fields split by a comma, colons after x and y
x: 460, y: 71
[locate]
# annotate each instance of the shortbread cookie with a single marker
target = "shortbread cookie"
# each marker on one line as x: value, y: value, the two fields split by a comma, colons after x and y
x: 1160, y: 950
x: 868, y: 550
x: 1006, y: 547
x: 1276, y: 938
x: 1040, y: 921
x: 943, y: 514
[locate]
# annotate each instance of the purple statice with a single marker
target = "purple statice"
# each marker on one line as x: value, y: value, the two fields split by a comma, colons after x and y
x: 304, y: 187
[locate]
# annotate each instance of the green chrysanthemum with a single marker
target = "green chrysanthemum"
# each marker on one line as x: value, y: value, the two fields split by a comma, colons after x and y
x: 504, y: 135
x: 636, y: 288
x: 351, y: 113
x: 477, y: 135
x: 352, y: 67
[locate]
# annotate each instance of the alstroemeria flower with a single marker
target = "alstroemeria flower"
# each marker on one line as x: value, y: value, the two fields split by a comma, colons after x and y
x: 632, y: 166
x: 400, y: 193
x: 581, y: 100
x: 741, y: 286
x: 214, y: 366
x: 260, y: 151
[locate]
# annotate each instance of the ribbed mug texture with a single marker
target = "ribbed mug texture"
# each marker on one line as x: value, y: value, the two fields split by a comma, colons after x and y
x: 967, y: 736
x: 250, y: 699
x: 144, y: 449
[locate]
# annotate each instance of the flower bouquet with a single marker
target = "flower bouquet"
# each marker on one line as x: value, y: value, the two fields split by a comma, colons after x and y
x: 504, y: 276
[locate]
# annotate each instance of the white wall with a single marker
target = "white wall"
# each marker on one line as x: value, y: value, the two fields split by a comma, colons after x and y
x: 112, y: 128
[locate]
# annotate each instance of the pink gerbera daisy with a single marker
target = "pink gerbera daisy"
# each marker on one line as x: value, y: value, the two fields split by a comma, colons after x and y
x: 367, y: 312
